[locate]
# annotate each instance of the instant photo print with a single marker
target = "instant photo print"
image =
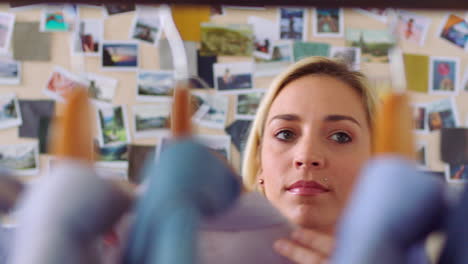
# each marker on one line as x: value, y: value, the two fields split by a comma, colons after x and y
x: 328, y: 22
x: 119, y: 56
x: 293, y: 23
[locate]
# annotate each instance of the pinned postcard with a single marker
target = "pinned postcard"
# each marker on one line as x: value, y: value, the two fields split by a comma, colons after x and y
x: 101, y: 89
x: 112, y: 156
x: 7, y: 22
x: 456, y: 173
x: 219, y: 143
x: 10, y: 113
x: 239, y: 132
x: 306, y: 49
x: 29, y: 44
x: 421, y: 157
x: 374, y: 44
x: 146, y: 26
x: 155, y: 86
x: 88, y: 37
x: 293, y: 23
x: 21, y: 159
x: 58, y: 17
x: 419, y: 118
x: 112, y: 126
x: 119, y: 55
x: 464, y: 82
x: 443, y: 74
x: 247, y: 104
x: 263, y: 36
x: 212, y: 109
x: 61, y: 82
x: 226, y: 40
x: 381, y: 14
x: 151, y: 120
x: 349, y: 55
x: 115, y: 9
x: 454, y: 29
x: 282, y: 57
x: 328, y: 22
x: 233, y: 77
x: 10, y: 71
x: 416, y: 68
x: 442, y: 114
x: 411, y: 27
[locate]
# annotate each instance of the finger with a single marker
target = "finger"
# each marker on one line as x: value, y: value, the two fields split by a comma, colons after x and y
x: 297, y: 253
x: 320, y: 242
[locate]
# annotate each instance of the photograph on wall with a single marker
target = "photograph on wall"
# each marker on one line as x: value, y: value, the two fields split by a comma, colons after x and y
x: 374, y: 44
x: 233, y: 77
x: 247, y: 104
x: 10, y: 71
x: 239, y: 131
x: 7, y: 22
x: 119, y: 55
x: 411, y: 27
x: 464, y: 82
x: 221, y: 144
x: 419, y: 117
x: 454, y: 29
x: 264, y: 36
x: 88, y: 36
x: 115, y: 9
x: 154, y: 86
x: 151, y: 120
x: 303, y: 49
x: 381, y: 14
x: 282, y: 56
x: 443, y: 74
x: 456, y: 173
x: 210, y: 109
x: 20, y: 159
x: 293, y: 23
x: 146, y: 26
x: 58, y: 17
x: 349, y: 55
x: 112, y: 156
x: 442, y: 114
x: 421, y: 156
x: 61, y: 82
x: 101, y: 89
x: 10, y: 113
x: 226, y: 40
x: 328, y: 22
x: 112, y: 125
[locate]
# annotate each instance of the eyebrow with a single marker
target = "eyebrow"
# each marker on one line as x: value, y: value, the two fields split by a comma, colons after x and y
x: 328, y: 118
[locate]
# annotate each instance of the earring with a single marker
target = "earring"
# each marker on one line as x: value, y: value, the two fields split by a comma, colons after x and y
x: 261, y: 181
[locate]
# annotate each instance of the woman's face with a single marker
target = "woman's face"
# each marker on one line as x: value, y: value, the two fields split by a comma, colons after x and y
x: 315, y: 141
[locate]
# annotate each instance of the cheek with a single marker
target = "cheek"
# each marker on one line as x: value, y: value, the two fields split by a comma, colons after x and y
x: 274, y: 165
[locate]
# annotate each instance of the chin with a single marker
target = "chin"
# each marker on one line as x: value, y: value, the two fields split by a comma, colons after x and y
x: 315, y: 220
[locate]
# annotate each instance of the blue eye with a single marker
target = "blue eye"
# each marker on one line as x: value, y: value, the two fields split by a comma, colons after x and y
x: 285, y: 135
x: 341, y: 138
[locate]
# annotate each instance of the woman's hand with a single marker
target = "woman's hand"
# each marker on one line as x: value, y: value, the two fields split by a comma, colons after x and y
x: 306, y: 246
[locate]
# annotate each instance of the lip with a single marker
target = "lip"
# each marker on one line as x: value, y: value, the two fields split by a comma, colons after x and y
x: 307, y: 188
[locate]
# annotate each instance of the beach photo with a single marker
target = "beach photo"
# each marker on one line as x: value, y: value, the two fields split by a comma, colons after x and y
x: 151, y: 120
x: 20, y: 159
x: 119, y: 55
x: 10, y: 71
x: 155, y: 86
x: 233, y: 77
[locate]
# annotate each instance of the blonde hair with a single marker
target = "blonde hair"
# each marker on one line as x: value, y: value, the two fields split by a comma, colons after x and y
x: 308, y: 66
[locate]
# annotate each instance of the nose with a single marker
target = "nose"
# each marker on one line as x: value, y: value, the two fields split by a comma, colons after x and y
x: 309, y: 156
